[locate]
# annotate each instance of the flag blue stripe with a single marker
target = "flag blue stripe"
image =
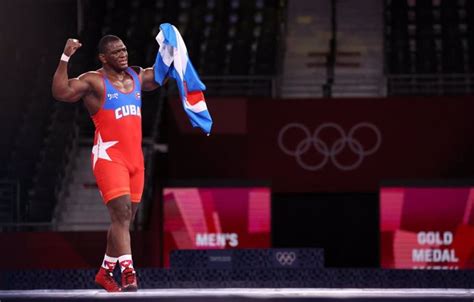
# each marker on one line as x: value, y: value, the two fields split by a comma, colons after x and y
x: 192, y: 80
x: 169, y: 34
x: 160, y: 69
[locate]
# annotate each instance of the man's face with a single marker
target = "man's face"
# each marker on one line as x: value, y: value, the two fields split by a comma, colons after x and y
x: 116, y: 55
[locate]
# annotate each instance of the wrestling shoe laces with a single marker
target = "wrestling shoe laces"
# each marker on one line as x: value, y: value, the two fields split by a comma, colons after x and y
x: 129, y: 280
x: 105, y: 279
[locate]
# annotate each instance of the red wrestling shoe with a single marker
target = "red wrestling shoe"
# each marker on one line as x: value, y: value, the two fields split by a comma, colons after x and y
x: 105, y: 279
x: 129, y: 280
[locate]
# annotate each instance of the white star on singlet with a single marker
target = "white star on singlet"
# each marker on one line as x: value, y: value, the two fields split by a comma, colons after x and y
x: 100, y: 149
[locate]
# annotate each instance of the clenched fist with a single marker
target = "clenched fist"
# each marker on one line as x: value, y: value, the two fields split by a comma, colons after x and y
x: 71, y: 46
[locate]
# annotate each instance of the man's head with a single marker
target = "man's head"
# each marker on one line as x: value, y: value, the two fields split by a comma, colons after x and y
x: 112, y: 52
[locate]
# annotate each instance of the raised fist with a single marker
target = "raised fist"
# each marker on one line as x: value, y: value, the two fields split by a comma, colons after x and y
x: 71, y: 46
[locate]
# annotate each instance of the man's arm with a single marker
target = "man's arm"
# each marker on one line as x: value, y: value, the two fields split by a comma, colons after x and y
x: 63, y: 88
x: 148, y: 79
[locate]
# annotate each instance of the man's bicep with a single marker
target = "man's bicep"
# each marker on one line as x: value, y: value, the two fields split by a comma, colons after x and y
x: 148, y: 79
x: 78, y: 88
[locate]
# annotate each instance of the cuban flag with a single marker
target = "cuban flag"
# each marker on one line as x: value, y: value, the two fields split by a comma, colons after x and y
x: 172, y: 60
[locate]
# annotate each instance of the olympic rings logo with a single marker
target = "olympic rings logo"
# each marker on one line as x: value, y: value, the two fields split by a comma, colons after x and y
x: 285, y: 258
x: 329, y: 152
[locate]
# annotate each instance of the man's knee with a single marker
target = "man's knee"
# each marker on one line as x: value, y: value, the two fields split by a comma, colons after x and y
x: 120, y: 211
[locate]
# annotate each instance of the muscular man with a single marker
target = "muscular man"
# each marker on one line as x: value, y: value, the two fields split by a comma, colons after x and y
x: 112, y: 95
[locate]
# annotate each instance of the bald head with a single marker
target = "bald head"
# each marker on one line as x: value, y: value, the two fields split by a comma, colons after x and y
x: 105, y: 41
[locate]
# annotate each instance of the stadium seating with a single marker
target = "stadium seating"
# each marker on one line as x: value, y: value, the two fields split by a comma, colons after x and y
x: 428, y: 46
x: 231, y: 37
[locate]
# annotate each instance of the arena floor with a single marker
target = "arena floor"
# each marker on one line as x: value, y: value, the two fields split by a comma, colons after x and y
x: 244, y: 294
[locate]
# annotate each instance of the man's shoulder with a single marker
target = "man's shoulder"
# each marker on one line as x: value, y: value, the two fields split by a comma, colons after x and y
x: 137, y: 69
x: 91, y: 75
x: 94, y: 79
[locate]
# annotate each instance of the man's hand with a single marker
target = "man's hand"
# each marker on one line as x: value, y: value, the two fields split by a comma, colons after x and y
x: 71, y: 46
x: 63, y: 88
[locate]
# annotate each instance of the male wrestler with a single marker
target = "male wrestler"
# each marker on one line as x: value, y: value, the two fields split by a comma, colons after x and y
x: 112, y: 95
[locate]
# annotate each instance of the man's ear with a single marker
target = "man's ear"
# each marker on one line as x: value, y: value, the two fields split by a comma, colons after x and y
x: 102, y: 58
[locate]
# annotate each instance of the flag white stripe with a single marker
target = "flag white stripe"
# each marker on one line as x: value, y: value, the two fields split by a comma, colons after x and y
x: 198, y: 107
